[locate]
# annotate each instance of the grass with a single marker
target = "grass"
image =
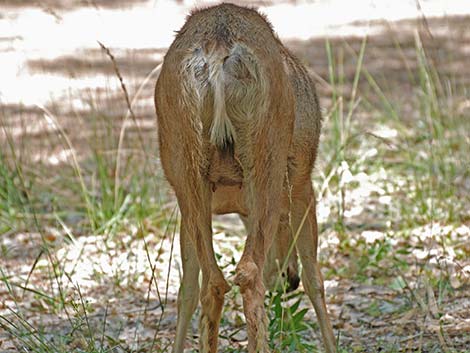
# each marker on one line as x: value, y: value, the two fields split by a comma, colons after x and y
x: 418, y: 176
x: 393, y: 184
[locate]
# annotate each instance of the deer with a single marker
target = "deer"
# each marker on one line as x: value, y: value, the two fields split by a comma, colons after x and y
x: 238, y: 129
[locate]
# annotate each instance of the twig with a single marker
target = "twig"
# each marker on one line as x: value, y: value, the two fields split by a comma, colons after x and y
x: 424, y: 19
x: 124, y: 90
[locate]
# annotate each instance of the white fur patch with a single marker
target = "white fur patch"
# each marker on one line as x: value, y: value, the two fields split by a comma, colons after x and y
x: 221, y: 132
x: 235, y: 83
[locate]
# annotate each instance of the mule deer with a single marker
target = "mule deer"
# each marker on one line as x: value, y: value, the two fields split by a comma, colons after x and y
x: 239, y: 124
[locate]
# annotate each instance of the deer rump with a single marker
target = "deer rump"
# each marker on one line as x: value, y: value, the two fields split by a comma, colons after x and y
x: 227, y: 88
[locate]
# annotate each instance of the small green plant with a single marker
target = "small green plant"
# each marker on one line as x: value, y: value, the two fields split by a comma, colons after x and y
x: 287, y: 326
x: 12, y: 199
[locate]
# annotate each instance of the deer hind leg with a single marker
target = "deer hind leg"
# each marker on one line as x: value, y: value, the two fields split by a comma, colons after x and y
x: 214, y: 285
x: 194, y: 201
x: 274, y: 275
x: 263, y: 193
x: 189, y: 289
x: 281, y: 265
x: 304, y: 215
x: 249, y: 277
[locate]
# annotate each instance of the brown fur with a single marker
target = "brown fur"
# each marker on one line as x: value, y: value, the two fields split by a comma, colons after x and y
x: 239, y: 125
